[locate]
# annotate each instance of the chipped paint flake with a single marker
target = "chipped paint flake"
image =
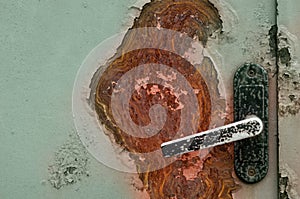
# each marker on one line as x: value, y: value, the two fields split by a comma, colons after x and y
x: 70, y: 164
x: 289, y: 75
x: 288, y: 182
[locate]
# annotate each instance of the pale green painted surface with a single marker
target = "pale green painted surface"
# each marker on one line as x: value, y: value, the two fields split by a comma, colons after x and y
x: 42, y: 45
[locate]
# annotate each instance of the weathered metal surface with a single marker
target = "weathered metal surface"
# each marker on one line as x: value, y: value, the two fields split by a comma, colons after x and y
x: 251, y: 97
x: 155, y: 90
x: 247, y: 128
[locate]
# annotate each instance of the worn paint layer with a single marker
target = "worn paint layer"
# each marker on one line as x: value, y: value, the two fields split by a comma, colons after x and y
x: 289, y: 75
x: 288, y: 182
x: 189, y: 176
x: 70, y: 164
x: 288, y: 85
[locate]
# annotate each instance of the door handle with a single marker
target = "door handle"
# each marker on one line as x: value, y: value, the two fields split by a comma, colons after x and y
x: 251, y: 156
x: 250, y: 127
x: 251, y: 116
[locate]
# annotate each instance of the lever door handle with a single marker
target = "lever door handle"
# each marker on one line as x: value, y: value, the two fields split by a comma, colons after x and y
x: 246, y: 128
x: 250, y: 102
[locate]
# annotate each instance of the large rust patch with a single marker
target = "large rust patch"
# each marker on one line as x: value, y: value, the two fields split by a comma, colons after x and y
x: 189, y: 176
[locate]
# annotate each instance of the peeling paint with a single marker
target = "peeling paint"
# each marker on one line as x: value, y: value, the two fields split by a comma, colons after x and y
x: 284, y: 56
x: 70, y: 164
x: 133, y: 12
x: 283, y: 184
x: 262, y: 52
x: 289, y: 75
x: 273, y: 42
x: 164, y: 183
x: 288, y: 181
x: 255, y: 44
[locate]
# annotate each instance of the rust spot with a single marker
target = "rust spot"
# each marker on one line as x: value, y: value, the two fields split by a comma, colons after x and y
x: 190, y: 176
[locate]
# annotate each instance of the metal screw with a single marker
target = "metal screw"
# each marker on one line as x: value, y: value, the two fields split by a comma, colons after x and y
x: 251, y: 72
x: 251, y: 171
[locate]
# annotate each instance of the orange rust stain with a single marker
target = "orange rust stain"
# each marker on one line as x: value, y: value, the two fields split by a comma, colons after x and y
x: 190, y: 176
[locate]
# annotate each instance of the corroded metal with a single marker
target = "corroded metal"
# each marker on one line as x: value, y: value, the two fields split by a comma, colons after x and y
x: 189, y: 176
x: 251, y: 97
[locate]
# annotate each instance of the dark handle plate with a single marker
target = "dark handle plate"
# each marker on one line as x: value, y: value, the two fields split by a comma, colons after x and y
x: 251, y: 158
